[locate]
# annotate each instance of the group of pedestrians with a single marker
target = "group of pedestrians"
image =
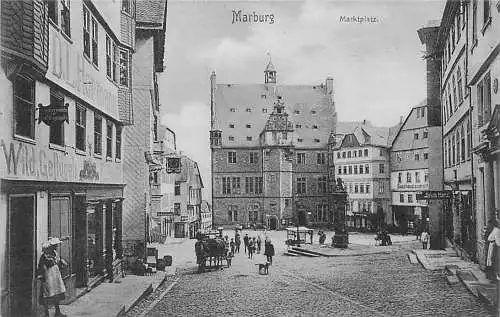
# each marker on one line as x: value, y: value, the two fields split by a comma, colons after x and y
x: 252, y: 245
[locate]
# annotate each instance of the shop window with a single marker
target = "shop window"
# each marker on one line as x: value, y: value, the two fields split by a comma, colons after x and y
x: 24, y: 107
x: 65, y: 17
x: 109, y: 139
x: 118, y: 142
x: 60, y: 225
x: 95, y: 43
x: 124, y: 68
x: 97, y: 134
x: 57, y: 128
x: 86, y: 32
x: 80, y: 127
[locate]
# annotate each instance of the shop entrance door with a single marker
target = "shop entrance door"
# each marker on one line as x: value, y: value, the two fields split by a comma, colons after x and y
x: 22, y: 254
x: 80, y: 241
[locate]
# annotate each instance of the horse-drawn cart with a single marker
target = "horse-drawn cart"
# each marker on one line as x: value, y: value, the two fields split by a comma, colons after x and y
x: 210, y: 253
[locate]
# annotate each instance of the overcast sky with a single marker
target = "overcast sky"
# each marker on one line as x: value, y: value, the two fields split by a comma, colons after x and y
x: 377, y: 66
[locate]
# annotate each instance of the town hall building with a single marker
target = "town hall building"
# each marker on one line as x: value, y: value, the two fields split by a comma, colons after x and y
x: 269, y: 147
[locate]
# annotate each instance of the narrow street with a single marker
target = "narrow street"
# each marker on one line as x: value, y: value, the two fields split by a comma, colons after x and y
x: 367, y: 285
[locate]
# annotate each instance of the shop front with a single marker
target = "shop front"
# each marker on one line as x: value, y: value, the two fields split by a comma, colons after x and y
x: 45, y: 193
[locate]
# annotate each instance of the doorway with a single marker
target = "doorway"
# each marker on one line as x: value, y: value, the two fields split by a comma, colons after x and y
x: 80, y: 240
x: 273, y: 223
x: 22, y: 254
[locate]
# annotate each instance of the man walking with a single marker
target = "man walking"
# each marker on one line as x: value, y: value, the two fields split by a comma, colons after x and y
x: 269, y: 252
x: 245, y: 241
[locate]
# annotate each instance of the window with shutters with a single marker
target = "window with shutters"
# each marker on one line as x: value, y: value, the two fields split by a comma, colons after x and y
x: 97, y: 134
x: 86, y: 32
x: 80, y: 127
x: 109, y: 139
x: 118, y: 142
x: 57, y: 128
x: 65, y: 18
x: 95, y: 43
x: 24, y: 107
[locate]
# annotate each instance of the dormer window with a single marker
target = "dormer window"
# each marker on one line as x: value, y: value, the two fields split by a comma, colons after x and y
x: 298, y: 126
x: 264, y: 110
x: 231, y: 126
x: 313, y: 111
x: 297, y: 112
x: 232, y: 110
x: 249, y: 138
x: 316, y: 140
x: 315, y: 126
x: 249, y: 125
x: 300, y: 140
x: 263, y: 96
x: 231, y: 138
x: 248, y: 110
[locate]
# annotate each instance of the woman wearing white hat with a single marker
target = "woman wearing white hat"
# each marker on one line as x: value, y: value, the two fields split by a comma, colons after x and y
x: 53, y: 288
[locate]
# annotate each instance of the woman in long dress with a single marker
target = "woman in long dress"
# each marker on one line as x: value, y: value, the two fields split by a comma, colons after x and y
x: 53, y: 289
x: 492, y: 259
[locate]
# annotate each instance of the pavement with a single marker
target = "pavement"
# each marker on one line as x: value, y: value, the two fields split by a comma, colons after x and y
x: 116, y: 298
x: 459, y: 270
x: 386, y: 284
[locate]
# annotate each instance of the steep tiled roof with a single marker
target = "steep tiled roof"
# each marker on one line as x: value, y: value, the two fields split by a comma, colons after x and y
x: 311, y: 111
x: 367, y: 133
x: 190, y: 173
x: 151, y: 12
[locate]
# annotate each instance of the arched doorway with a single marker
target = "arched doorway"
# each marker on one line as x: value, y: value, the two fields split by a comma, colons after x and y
x: 273, y: 223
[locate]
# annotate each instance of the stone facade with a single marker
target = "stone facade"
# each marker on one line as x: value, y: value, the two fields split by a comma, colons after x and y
x: 269, y: 152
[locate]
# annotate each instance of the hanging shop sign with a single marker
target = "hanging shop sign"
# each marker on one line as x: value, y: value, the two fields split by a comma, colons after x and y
x: 53, y: 113
x: 173, y: 165
x: 435, y: 195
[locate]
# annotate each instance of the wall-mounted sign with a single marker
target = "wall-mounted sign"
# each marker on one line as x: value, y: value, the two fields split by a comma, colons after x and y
x: 438, y: 195
x: 53, y: 113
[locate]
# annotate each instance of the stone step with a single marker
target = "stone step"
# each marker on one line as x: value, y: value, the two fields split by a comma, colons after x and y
x: 311, y: 253
x: 413, y: 258
x: 300, y: 252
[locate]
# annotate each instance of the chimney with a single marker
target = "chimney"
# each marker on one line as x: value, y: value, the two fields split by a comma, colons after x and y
x: 329, y: 85
x: 429, y: 37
